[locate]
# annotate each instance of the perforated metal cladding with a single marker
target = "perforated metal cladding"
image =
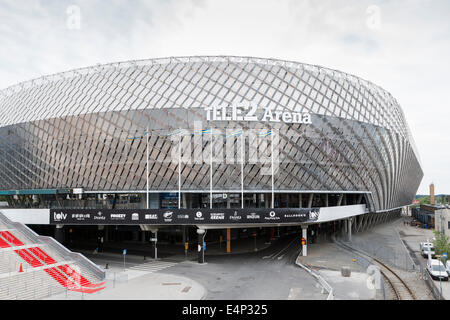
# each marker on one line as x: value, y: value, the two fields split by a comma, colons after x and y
x: 71, y: 129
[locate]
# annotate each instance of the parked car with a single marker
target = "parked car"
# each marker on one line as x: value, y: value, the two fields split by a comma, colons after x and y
x: 427, y: 248
x: 437, y: 270
x: 447, y: 267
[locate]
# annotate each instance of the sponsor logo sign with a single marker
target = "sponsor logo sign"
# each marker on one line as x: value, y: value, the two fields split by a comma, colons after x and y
x: 253, y: 216
x: 59, y: 216
x: 199, y: 216
x: 182, y: 216
x: 217, y: 216
x: 80, y: 216
x: 135, y: 216
x: 272, y: 216
x: 313, y: 215
x: 118, y: 216
x: 99, y: 216
x: 168, y: 216
x: 235, y: 216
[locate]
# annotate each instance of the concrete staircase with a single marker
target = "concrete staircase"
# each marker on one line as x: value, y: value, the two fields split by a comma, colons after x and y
x: 36, y: 267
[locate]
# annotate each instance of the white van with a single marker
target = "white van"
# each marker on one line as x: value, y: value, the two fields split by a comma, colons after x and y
x: 425, y: 248
x: 437, y: 270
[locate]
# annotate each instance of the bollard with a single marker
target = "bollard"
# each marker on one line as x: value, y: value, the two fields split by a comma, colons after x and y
x: 345, y: 271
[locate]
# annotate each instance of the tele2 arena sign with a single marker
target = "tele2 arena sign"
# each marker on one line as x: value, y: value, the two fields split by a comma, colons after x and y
x: 247, y: 111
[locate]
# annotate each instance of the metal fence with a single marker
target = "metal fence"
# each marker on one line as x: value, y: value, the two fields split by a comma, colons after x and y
x: 325, y: 285
x: 391, y: 256
x: 398, y: 258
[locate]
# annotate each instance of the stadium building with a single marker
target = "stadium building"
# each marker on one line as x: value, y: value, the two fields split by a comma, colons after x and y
x: 214, y: 142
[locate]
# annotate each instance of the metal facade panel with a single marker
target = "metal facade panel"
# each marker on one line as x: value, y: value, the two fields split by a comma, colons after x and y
x: 70, y: 130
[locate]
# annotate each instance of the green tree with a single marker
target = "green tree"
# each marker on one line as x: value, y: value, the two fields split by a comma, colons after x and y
x: 424, y: 200
x: 441, y: 243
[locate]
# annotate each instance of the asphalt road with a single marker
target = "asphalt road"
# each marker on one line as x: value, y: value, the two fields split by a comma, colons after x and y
x: 267, y: 274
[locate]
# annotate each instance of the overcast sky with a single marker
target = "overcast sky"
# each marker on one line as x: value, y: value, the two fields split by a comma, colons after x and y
x: 403, y: 46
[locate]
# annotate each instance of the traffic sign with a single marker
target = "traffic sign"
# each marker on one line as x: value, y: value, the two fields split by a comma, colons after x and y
x: 124, y: 251
x: 444, y: 255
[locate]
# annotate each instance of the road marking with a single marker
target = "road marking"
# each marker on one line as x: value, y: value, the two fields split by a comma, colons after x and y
x: 153, y: 266
x: 294, y: 293
x: 284, y: 249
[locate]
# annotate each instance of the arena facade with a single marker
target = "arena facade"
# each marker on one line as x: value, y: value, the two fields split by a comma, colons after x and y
x: 212, y: 132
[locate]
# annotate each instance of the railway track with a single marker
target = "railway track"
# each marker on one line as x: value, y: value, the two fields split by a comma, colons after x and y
x: 398, y: 285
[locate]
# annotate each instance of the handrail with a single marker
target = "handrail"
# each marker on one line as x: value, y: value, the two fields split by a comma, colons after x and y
x: 325, y: 285
x: 55, y: 245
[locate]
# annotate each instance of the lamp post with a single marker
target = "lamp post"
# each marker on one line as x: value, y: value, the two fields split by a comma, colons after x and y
x: 148, y: 199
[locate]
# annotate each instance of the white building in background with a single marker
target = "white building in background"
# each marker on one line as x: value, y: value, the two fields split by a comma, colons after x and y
x: 442, y: 220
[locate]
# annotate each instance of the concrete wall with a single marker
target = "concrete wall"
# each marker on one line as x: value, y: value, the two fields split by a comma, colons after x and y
x: 28, y: 216
x: 342, y: 212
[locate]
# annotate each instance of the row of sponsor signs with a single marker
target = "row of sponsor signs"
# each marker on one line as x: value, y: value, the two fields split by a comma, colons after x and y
x: 182, y: 216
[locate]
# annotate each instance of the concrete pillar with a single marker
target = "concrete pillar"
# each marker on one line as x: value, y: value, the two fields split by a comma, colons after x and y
x: 228, y: 201
x: 310, y: 201
x: 299, y: 200
x: 184, y: 202
x: 59, y: 233
x: 360, y: 197
x: 326, y: 199
x: 341, y: 196
x: 155, y: 239
x: 201, y: 251
x: 305, y: 235
x: 344, y: 199
x: 349, y: 229
x: 228, y: 240
x: 106, y: 234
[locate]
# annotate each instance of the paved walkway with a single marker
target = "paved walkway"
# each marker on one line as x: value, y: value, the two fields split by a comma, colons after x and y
x: 141, y: 284
x: 327, y: 259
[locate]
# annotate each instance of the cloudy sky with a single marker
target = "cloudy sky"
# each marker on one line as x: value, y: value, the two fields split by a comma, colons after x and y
x: 403, y: 46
